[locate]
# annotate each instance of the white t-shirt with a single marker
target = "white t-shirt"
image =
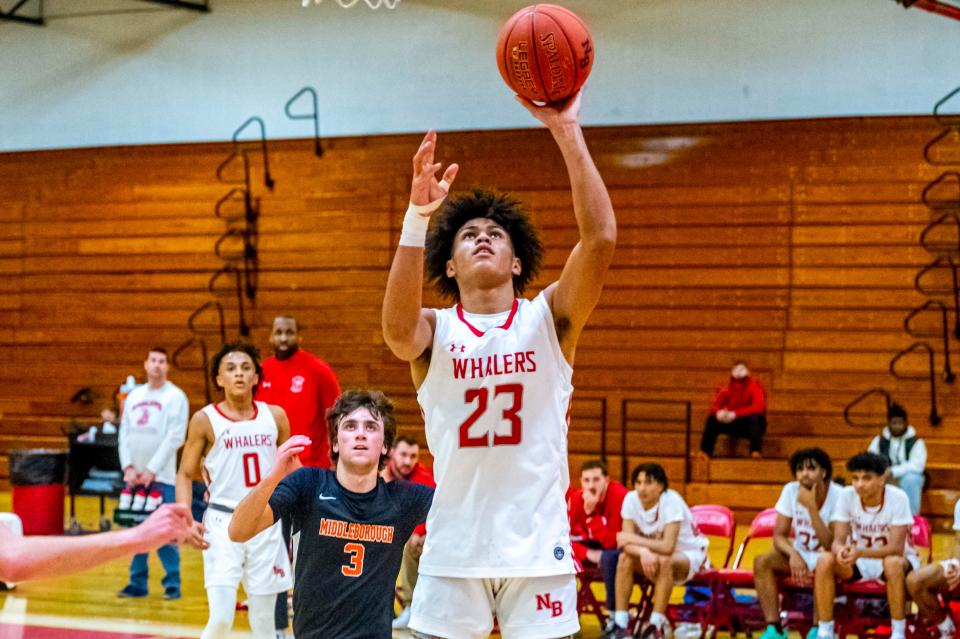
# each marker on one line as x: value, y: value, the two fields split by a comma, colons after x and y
x: 152, y: 429
x: 669, y: 508
x: 871, y: 526
x: 804, y: 535
x: 495, y: 402
x: 956, y: 516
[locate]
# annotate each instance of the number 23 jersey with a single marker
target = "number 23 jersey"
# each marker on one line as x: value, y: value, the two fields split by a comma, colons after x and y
x: 495, y: 402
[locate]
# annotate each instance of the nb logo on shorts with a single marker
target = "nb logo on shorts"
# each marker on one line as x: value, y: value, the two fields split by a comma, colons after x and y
x: 545, y: 603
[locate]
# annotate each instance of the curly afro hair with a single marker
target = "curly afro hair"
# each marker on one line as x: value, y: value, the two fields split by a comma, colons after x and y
x: 502, y: 209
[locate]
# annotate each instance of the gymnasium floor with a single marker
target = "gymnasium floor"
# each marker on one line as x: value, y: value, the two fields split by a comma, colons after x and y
x: 87, y: 604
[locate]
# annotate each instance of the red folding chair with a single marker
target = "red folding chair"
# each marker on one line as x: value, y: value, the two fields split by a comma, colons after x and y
x: 587, y: 602
x: 865, y: 612
x: 713, y: 521
x: 728, y: 613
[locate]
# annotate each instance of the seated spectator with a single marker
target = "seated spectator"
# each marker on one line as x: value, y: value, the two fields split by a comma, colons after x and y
x: 595, y: 520
x: 404, y: 463
x: 926, y: 584
x: 905, y: 452
x: 805, y: 507
x: 658, y: 541
x: 739, y: 410
x: 872, y: 523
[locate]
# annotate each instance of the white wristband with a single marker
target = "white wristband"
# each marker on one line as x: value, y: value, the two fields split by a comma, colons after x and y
x: 417, y: 219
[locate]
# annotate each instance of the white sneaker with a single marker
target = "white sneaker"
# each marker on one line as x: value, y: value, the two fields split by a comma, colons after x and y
x: 402, y: 622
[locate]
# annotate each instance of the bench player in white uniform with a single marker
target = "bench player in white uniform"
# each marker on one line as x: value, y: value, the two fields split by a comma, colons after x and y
x: 237, y: 439
x: 493, y: 375
x: 805, y: 508
x: 940, y: 577
x: 658, y: 540
x: 871, y: 540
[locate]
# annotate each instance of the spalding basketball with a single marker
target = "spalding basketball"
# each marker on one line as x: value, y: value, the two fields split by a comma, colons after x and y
x: 545, y: 52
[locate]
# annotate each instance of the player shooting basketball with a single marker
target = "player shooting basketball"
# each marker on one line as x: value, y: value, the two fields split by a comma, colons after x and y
x: 494, y: 379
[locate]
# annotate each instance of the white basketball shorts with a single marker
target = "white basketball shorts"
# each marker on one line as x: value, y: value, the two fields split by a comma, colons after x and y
x: 525, y: 607
x: 261, y: 564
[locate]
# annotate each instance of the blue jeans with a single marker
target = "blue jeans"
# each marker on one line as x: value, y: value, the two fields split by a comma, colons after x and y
x: 912, y: 484
x: 608, y: 566
x: 169, y: 554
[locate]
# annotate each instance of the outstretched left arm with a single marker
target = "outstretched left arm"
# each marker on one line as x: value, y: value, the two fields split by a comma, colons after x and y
x: 573, y: 297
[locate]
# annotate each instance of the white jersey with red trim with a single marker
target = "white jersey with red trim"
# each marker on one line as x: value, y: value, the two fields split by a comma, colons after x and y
x: 495, y: 401
x: 242, y: 453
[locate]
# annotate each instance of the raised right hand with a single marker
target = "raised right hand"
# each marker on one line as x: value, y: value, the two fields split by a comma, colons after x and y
x: 288, y: 456
x: 425, y: 187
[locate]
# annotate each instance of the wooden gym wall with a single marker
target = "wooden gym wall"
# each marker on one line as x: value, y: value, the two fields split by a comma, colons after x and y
x: 793, y: 244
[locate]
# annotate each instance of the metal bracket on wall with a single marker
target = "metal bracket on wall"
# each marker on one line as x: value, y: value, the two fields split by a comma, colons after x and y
x: 859, y: 399
x: 930, y: 375
x: 315, y: 116
x: 944, y: 332
x: 11, y: 14
x: 267, y: 179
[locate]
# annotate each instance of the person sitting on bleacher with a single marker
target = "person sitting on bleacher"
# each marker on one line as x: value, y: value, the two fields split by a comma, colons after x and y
x: 660, y: 542
x: 595, y: 521
x: 939, y: 578
x: 872, y: 523
x: 805, y: 507
x: 905, y: 452
x: 739, y: 410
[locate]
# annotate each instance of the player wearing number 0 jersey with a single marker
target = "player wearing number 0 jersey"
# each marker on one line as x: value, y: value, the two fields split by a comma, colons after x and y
x: 493, y: 378
x: 237, y: 438
x: 872, y: 524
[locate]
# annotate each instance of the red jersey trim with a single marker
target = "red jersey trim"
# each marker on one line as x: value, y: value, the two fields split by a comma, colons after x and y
x: 256, y: 411
x: 504, y: 326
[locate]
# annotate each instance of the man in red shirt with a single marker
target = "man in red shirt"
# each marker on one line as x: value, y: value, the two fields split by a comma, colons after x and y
x: 739, y: 409
x: 404, y: 463
x: 595, y: 520
x: 305, y: 387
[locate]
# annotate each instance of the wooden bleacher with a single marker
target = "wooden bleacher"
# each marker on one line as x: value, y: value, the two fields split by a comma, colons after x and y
x: 793, y: 244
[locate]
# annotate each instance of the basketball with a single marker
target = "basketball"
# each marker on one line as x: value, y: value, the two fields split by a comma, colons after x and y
x: 544, y: 52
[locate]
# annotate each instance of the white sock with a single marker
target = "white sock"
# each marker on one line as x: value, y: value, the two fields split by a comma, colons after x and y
x: 824, y: 629
x: 260, y: 611
x: 223, y: 604
x: 898, y: 627
x: 946, y: 625
x: 621, y: 618
x: 657, y: 619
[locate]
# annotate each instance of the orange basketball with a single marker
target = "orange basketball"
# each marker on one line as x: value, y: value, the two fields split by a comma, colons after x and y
x: 544, y: 52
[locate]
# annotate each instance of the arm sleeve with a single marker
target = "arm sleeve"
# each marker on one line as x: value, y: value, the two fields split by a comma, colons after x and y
x: 786, y: 502
x: 614, y: 521
x: 420, y: 501
x: 901, y: 512
x: 175, y: 429
x: 327, y: 386
x: 288, y: 496
x: 123, y: 442
x: 874, y: 446
x: 672, y: 509
x: 758, y: 403
x: 842, y: 511
x: 915, y: 463
x: 719, y: 400
x: 956, y: 516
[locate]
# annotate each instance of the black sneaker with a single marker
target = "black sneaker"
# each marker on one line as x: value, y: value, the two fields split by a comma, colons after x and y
x: 132, y: 592
x: 171, y: 592
x: 613, y: 631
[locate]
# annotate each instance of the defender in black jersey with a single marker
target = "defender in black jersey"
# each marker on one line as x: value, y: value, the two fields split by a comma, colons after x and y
x: 352, y: 525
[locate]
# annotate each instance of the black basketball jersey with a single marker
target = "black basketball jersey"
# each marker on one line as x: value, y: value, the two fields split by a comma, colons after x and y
x: 349, y: 553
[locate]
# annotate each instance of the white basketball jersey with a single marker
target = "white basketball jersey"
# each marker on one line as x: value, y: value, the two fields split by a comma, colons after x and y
x: 804, y: 534
x: 871, y: 526
x: 495, y: 403
x: 243, y: 452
